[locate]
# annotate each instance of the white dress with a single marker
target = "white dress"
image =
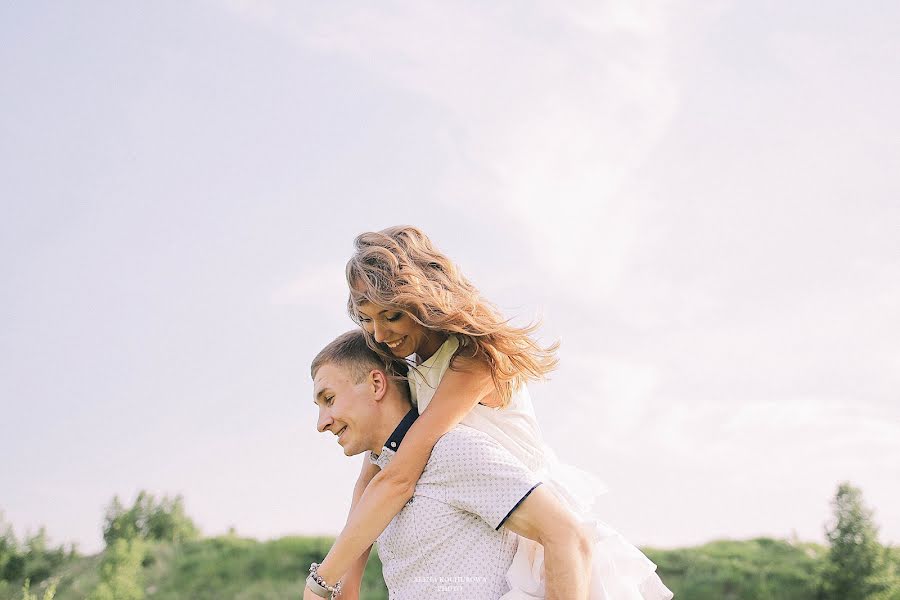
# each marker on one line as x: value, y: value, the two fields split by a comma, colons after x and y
x: 619, y: 570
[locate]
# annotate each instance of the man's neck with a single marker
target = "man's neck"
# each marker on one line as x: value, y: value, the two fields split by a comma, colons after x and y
x: 394, y: 412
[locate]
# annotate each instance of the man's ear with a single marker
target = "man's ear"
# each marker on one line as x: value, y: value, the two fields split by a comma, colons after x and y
x: 378, y: 382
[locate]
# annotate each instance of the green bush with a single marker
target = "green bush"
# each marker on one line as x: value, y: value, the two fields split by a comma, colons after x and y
x: 149, y: 519
x: 233, y: 567
x: 49, y: 593
x: 759, y: 569
x: 33, y: 559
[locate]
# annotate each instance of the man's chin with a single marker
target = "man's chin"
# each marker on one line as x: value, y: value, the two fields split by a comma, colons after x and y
x: 351, y: 451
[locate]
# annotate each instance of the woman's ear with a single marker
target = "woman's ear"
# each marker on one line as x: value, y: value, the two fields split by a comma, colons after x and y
x: 379, y: 384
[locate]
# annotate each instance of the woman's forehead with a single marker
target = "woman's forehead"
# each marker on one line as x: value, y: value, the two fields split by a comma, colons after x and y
x: 371, y: 308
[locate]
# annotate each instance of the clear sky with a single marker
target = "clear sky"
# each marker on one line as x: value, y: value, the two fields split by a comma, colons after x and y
x: 700, y: 199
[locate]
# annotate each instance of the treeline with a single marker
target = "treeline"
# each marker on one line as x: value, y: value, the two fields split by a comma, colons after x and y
x: 154, y: 550
x: 127, y: 533
x: 853, y: 566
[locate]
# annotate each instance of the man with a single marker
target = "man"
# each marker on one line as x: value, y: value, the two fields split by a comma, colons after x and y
x: 452, y: 540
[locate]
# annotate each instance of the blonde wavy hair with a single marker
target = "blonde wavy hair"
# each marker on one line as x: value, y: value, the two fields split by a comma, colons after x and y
x: 399, y: 268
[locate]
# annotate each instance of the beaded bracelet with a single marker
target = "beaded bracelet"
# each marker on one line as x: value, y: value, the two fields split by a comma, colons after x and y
x: 319, y: 587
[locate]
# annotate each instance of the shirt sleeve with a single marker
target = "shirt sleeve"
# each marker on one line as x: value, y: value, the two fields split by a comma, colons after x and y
x: 471, y: 471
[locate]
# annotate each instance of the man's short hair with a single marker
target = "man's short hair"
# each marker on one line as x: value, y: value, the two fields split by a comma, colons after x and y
x: 351, y: 352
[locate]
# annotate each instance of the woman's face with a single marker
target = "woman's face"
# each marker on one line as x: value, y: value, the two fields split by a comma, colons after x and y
x: 398, y: 331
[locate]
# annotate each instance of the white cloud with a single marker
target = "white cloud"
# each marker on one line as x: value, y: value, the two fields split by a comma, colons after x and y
x: 725, y: 307
x: 554, y: 107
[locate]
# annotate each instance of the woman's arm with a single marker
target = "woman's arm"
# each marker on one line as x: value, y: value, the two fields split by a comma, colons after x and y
x: 462, y: 387
x: 353, y: 579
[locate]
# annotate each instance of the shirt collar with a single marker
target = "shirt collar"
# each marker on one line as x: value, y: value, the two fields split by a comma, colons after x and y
x: 393, y: 442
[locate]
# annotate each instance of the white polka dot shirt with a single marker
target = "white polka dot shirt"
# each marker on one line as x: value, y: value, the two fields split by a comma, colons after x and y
x: 448, y: 541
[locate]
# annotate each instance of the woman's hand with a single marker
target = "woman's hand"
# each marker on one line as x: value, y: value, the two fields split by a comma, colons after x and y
x: 308, y: 594
x: 352, y: 581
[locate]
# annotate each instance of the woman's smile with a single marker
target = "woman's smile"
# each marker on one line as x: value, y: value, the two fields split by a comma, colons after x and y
x: 395, y: 343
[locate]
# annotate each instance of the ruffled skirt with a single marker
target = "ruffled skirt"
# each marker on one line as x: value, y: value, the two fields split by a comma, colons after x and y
x: 619, y: 571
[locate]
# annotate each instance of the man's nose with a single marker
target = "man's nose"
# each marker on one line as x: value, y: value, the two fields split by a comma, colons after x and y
x: 324, y: 421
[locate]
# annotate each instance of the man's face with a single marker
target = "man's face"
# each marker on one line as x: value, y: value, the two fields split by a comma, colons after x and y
x: 346, y: 409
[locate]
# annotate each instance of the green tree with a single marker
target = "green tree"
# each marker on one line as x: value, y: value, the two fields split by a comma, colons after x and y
x: 854, y: 568
x: 121, y: 577
x: 115, y: 524
x: 148, y: 519
x: 889, y: 580
x: 31, y: 559
x: 168, y: 521
x: 40, y: 559
x: 10, y: 561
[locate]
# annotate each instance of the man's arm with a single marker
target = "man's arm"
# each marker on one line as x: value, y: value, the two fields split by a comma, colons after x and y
x: 567, y: 549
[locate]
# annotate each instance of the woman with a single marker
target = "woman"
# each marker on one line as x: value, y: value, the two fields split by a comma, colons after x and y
x: 468, y: 365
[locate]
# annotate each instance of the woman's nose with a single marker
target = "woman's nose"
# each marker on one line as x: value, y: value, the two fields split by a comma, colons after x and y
x: 378, y: 332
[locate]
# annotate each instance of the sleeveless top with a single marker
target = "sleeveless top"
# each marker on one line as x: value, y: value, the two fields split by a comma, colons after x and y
x: 514, y: 426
